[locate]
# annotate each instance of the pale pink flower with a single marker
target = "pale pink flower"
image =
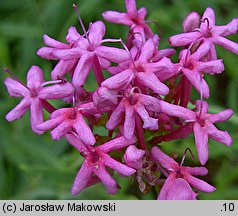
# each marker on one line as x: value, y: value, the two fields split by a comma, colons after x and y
x: 33, y: 95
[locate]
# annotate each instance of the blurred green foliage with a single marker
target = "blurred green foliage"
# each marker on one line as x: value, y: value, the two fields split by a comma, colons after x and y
x: 35, y: 167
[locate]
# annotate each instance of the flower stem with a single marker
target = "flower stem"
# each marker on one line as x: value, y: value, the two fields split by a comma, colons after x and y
x: 47, y: 106
x: 97, y: 70
x: 140, y: 133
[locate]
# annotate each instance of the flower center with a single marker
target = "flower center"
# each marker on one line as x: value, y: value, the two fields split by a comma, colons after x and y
x: 33, y: 93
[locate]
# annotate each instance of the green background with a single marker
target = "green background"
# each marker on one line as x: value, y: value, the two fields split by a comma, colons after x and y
x: 35, y: 167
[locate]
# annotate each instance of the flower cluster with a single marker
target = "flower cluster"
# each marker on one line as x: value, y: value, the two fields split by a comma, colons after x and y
x: 145, y: 92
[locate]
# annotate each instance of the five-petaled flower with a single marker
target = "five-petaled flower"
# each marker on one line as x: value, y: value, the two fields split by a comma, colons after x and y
x: 177, y: 186
x: 95, y: 162
x: 34, y: 94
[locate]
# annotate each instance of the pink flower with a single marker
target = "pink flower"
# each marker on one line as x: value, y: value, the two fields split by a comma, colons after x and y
x: 208, y: 32
x: 64, y: 120
x: 34, y: 95
x: 95, y: 163
x: 143, y: 72
x: 84, y: 51
x: 133, y: 18
x: 133, y: 157
x: 202, y: 124
x: 134, y: 105
x: 177, y: 183
x: 63, y: 66
x: 193, y: 68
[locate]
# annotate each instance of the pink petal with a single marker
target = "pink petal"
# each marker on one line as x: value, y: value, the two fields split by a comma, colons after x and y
x: 117, y: 143
x: 122, y: 169
x: 184, y: 39
x: 62, y: 112
x: 191, y: 22
x: 166, y: 187
x: 61, y: 130
x: 54, y: 43
x: 119, y: 81
x: 50, y: 124
x: 106, y: 179
x: 151, y: 81
x: 34, y: 77
x: 158, y: 55
x: 131, y: 7
x: 19, y: 110
x: 72, y: 35
x: 221, y: 116
x: 227, y: 44
x: 218, y: 135
x: 147, y: 51
x: 164, y: 69
x: 84, y: 131
x: 210, y: 15
x: 149, y: 123
x: 68, y: 54
x: 200, y: 184
x: 197, y: 171
x: 201, y: 140
x: 129, y: 124
x: 142, y: 13
x: 83, y: 177
x: 105, y: 64
x: 166, y: 161
x: 116, y: 17
x: 212, y: 54
x: 177, y: 111
x: 116, y: 116
x: 57, y: 91
x: 62, y: 67
x: 211, y: 67
x: 202, y: 50
x: 180, y: 190
x: 96, y: 33
x: 47, y: 53
x: 112, y: 54
x: 36, y: 114
x: 133, y: 157
x: 74, y: 140
x: 195, y: 78
x: 230, y: 28
x: 202, y: 104
x: 82, y: 69
x: 151, y: 103
x: 15, y: 89
x: 104, y: 97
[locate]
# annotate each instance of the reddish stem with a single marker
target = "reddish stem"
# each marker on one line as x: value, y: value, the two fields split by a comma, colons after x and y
x: 139, y: 132
x: 186, y: 89
x: 97, y: 70
x: 47, y: 106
